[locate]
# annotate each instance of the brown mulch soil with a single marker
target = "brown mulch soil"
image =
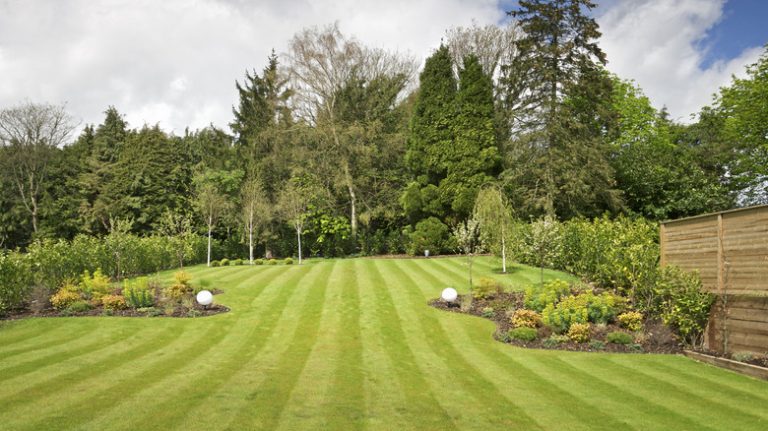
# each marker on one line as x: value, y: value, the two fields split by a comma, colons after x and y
x: 658, y: 337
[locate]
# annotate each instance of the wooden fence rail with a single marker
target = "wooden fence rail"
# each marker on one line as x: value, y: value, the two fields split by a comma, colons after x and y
x: 730, y: 251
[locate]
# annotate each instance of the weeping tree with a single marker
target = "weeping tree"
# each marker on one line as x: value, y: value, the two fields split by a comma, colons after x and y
x: 494, y: 215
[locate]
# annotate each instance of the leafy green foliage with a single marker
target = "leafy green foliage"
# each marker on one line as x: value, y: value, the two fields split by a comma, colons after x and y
x: 138, y: 293
x: 430, y: 234
x: 288, y: 261
x: 78, y: 306
x: 113, y: 302
x: 539, y: 297
x: 64, y: 297
x: 523, y: 334
x: 485, y: 288
x: 15, y: 280
x: 683, y: 303
x: 618, y: 337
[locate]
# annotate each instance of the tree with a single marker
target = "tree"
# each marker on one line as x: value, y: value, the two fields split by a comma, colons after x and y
x: 555, y: 88
x: 256, y: 211
x: 31, y: 133
x: 177, y: 229
x: 494, y: 216
x: 494, y: 46
x: 467, y: 240
x: 321, y: 63
x: 294, y: 204
x: 213, y: 197
x: 743, y: 106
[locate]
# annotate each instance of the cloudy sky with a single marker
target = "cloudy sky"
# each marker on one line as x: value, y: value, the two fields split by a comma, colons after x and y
x: 174, y: 62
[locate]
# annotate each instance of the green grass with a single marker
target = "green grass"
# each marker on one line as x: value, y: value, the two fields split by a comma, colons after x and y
x: 345, y: 344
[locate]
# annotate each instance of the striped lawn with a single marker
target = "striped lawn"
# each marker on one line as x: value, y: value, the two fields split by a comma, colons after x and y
x: 346, y: 344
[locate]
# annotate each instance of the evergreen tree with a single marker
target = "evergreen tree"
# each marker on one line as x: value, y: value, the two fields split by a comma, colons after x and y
x: 557, y: 159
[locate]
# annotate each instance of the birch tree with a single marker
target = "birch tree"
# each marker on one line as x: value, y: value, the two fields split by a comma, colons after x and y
x: 494, y: 216
x: 256, y: 212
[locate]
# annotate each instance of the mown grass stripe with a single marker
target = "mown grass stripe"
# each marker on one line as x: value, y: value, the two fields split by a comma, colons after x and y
x: 61, y: 335
x: 623, y: 388
x: 421, y: 405
x: 68, y: 351
x: 57, y: 383
x: 528, y: 385
x: 85, y: 409
x: 711, y: 409
x: 267, y: 401
x: 229, y: 364
x: 466, y: 374
x: 346, y: 408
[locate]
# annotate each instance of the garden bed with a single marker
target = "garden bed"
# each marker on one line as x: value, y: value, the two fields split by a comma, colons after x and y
x: 177, y: 311
x: 656, y: 337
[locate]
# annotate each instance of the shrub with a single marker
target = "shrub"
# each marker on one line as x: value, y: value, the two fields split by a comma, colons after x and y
x: 182, y: 278
x: 523, y: 334
x: 224, y: 262
x: 554, y: 340
x: 96, y: 285
x: 602, y: 308
x: 524, y: 318
x: 618, y: 337
x: 568, y: 311
x: 488, y: 312
x: 236, y: 262
x: 113, y: 302
x: 215, y: 263
x: 743, y: 356
x: 596, y: 345
x: 64, y: 298
x: 15, y: 280
x: 258, y: 261
x: 579, y: 332
x: 684, y: 305
x: 631, y: 320
x: 485, y: 288
x: 138, y: 293
x: 538, y: 297
x: 79, y: 306
x: 177, y: 291
x: 430, y: 234
x: 288, y: 261
x: 272, y: 262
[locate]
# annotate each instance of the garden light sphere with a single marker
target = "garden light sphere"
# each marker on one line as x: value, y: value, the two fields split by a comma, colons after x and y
x: 205, y: 297
x: 449, y: 294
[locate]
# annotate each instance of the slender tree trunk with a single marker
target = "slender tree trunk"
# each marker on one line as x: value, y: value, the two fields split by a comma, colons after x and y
x: 250, y: 245
x: 210, y: 229
x: 352, y: 200
x: 503, y: 255
x: 298, y: 235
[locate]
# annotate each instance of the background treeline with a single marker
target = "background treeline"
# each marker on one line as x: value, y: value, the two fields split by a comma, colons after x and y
x: 381, y: 157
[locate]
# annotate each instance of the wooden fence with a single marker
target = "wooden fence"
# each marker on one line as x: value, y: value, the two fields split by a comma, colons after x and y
x: 730, y: 251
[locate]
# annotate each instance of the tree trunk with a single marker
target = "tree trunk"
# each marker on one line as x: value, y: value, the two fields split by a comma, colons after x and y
x: 298, y: 235
x: 503, y: 255
x: 352, y: 200
x: 250, y: 245
x: 210, y: 229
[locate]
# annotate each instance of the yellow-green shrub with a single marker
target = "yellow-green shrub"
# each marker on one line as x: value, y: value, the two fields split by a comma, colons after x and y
x: 631, y: 320
x: 96, y: 285
x: 485, y: 288
x: 182, y: 278
x: 568, y: 311
x: 113, y: 302
x: 538, y: 297
x: 177, y: 291
x: 64, y: 298
x: 524, y: 318
x: 579, y: 332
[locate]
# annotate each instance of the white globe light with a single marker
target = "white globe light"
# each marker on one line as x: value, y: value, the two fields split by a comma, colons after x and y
x: 204, y: 297
x: 449, y: 294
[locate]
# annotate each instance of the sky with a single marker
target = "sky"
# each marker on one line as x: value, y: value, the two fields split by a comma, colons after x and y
x: 175, y: 62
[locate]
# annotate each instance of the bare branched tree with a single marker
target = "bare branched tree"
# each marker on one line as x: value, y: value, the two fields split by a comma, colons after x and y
x: 321, y: 62
x: 31, y: 132
x: 494, y: 46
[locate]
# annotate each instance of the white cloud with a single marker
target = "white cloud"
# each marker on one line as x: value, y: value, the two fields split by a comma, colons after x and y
x: 654, y: 42
x: 175, y: 62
